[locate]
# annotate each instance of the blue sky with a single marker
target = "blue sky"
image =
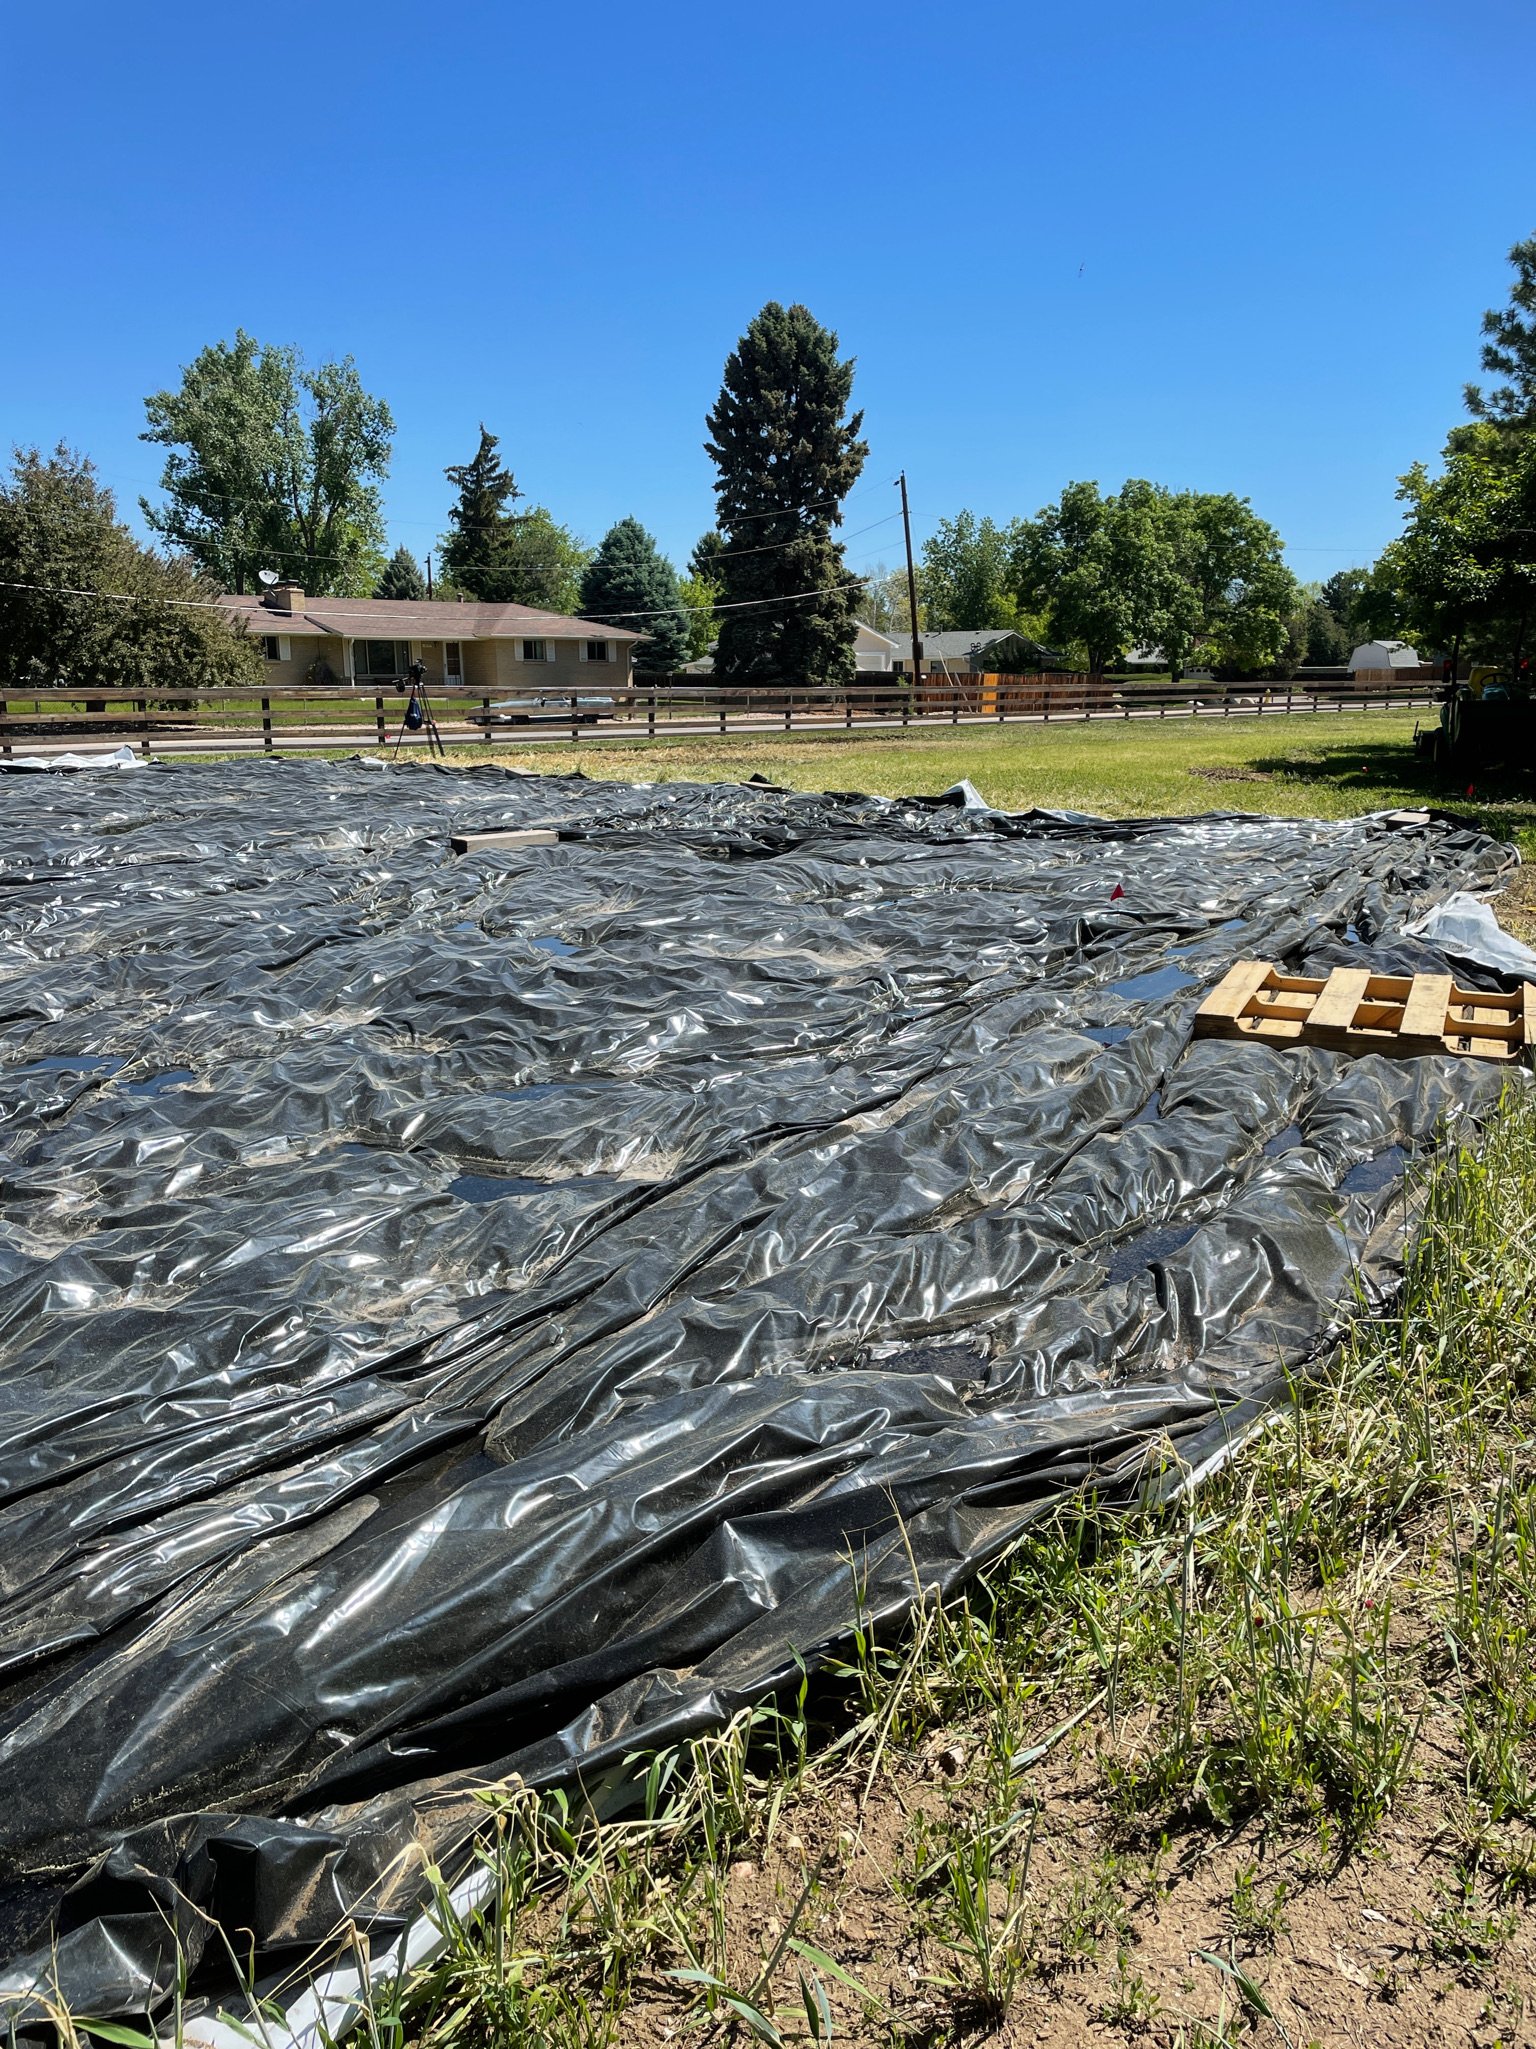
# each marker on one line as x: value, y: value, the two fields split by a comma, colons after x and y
x: 1233, y: 246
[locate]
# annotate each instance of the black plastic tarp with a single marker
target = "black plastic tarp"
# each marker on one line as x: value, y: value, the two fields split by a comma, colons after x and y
x: 464, y: 1316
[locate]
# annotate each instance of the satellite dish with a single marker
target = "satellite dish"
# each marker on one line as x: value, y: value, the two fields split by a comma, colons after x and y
x: 267, y: 577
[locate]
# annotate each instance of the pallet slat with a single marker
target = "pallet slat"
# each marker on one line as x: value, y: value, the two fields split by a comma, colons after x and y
x: 1355, y: 1011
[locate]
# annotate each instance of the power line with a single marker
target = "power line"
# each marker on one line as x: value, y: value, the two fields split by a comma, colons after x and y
x: 304, y: 555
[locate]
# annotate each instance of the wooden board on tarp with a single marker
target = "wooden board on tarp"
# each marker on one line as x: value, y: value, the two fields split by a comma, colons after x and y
x: 1353, y: 1010
x: 520, y: 836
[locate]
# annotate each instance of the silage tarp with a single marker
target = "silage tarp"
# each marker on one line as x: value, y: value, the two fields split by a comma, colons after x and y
x: 472, y: 1316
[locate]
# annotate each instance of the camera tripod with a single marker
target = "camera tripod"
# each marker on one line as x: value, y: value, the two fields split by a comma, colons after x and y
x: 418, y: 715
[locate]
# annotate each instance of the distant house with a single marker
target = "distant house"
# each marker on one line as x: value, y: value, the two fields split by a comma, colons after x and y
x: 1384, y: 654
x: 376, y: 640
x: 1155, y: 658
x: 872, y: 652
x: 873, y: 649
x: 968, y: 652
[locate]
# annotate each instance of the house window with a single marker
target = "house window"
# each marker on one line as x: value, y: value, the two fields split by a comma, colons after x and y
x: 274, y: 647
x: 533, y: 650
x: 375, y: 658
x: 597, y: 650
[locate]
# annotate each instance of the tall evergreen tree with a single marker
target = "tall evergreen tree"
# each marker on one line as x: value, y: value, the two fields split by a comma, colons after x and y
x: 402, y: 577
x: 787, y: 457
x: 1509, y: 351
x: 503, y: 557
x: 629, y: 582
x: 707, y: 550
x: 474, y: 554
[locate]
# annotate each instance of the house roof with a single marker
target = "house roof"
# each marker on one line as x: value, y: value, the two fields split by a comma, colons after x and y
x: 941, y: 647
x: 875, y: 633
x: 1398, y: 653
x: 426, y: 619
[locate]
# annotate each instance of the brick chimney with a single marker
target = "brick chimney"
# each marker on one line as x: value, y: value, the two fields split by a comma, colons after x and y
x: 285, y: 597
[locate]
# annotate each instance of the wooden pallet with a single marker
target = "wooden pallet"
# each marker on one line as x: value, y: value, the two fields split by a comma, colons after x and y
x: 1355, y: 1011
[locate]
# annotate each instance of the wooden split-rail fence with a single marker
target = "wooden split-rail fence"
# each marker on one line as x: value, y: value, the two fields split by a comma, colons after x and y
x: 187, y: 721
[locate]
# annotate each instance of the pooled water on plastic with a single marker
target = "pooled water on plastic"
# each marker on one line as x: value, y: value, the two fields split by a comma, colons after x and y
x: 1162, y: 981
x: 1122, y: 1262
x: 479, y: 1188
x: 1375, y: 1173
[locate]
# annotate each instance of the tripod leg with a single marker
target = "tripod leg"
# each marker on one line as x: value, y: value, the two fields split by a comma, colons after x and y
x: 434, y: 737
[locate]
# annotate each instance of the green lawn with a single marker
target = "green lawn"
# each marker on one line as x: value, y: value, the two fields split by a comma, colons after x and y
x: 1328, y: 766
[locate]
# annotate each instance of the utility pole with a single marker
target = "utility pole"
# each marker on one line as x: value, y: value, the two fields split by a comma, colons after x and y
x: 906, y: 530
x: 429, y: 572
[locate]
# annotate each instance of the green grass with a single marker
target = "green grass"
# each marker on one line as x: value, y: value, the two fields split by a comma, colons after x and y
x: 1314, y: 766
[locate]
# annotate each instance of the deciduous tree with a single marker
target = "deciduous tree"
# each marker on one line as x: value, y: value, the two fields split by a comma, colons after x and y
x: 1069, y: 564
x: 272, y: 465
x: 698, y: 598
x: 788, y: 454
x: 83, y: 603
x: 1188, y: 572
x: 1463, y: 573
x: 964, y: 578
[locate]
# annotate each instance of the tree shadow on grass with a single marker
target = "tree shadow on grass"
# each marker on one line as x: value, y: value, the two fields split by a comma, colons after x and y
x: 1385, y: 773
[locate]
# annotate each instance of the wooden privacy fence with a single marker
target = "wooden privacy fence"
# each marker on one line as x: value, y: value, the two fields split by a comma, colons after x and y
x: 191, y: 721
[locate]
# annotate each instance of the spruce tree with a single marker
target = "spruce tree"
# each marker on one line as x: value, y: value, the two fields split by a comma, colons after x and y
x: 707, y: 550
x: 402, y: 577
x: 474, y: 555
x: 787, y: 457
x: 629, y: 582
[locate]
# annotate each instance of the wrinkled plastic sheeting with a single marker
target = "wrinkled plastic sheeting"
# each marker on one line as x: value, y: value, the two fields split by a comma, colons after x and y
x: 474, y: 1316
x: 1465, y: 928
x: 80, y: 764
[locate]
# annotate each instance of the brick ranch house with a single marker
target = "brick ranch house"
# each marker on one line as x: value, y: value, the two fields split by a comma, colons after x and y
x: 489, y: 648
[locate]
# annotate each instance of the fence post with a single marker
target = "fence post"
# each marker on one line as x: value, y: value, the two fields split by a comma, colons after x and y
x: 5, y: 730
x: 789, y: 710
x: 847, y: 709
x: 720, y: 707
x: 144, y: 714
x: 650, y: 714
x: 378, y: 715
x: 266, y: 725
x: 906, y: 707
x: 575, y: 722
x: 1045, y: 705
